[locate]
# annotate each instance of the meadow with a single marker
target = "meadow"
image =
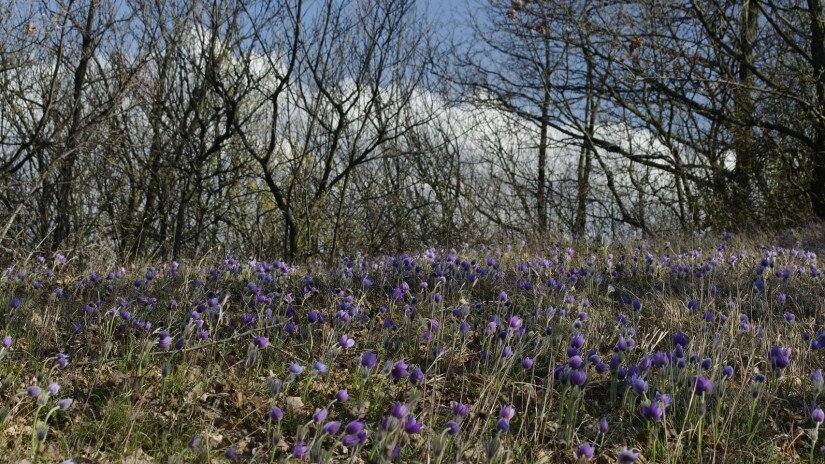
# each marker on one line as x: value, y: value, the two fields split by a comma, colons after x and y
x: 704, y: 348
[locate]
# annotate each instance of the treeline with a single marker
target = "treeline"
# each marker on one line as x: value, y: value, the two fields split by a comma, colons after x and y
x: 307, y: 128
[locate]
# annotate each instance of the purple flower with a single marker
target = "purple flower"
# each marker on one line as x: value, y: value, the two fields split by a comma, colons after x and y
x: 331, y: 428
x: 527, y: 363
x: 585, y: 451
x: 320, y: 415
x: 577, y: 342
x: 398, y: 410
x: 62, y: 360
x: 369, y: 359
x: 354, y: 427
x: 399, y: 370
x: 53, y: 388
x: 603, y: 426
x: 7, y: 341
x: 320, y: 368
x: 779, y: 356
x: 701, y: 385
x: 416, y: 376
x: 578, y: 377
x: 817, y: 415
x: 295, y: 369
x: 342, y: 396
x: 507, y: 351
x: 817, y: 380
x: 65, y: 403
x: 680, y: 339
x: 411, y: 426
x: 261, y: 341
x: 459, y: 409
x: 653, y: 412
x: 33, y: 391
x: 275, y: 414
x: 638, y: 385
x: 508, y: 412
x: 575, y: 362
x: 727, y: 371
x: 165, y: 341
x: 627, y: 456
x: 300, y: 450
x: 453, y: 427
x: 346, y: 342
x: 350, y: 440
x: 663, y: 399
x: 15, y: 303
x: 502, y: 426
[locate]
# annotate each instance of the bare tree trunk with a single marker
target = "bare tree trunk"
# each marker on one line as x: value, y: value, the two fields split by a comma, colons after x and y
x: 65, y: 204
x: 544, y: 124
x: 744, y: 136
x: 817, y: 180
x: 585, y: 157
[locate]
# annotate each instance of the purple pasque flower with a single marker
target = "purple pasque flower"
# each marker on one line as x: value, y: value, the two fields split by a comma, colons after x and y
x: 653, y: 411
x: 369, y: 359
x: 164, y: 340
x: 346, y: 342
x: 817, y: 415
x: 680, y: 339
x: 585, y: 451
x: 508, y: 412
x: 575, y: 362
x: 342, y: 396
x: 453, y: 427
x: 638, y: 385
x: 502, y: 426
x: 527, y: 363
x: 331, y: 428
x: 416, y: 376
x: 62, y: 360
x: 411, y: 425
x: 603, y: 425
x: 399, y: 370
x: 779, y: 356
x: 355, y: 427
x: 320, y: 415
x: 275, y: 414
x: 350, y: 440
x: 578, y: 377
x: 398, y: 410
x: 260, y: 341
x: 295, y: 369
x: 459, y: 409
x: 627, y: 456
x: 320, y: 368
x: 300, y: 450
x: 701, y: 385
